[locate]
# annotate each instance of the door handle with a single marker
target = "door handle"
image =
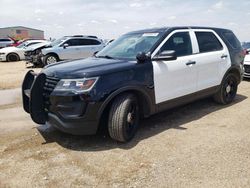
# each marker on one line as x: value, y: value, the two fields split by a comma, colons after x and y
x: 191, y: 63
x: 223, y: 56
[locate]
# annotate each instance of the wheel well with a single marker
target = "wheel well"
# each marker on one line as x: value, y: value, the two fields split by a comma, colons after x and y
x: 54, y: 54
x: 13, y: 53
x: 236, y: 73
x: 144, y: 106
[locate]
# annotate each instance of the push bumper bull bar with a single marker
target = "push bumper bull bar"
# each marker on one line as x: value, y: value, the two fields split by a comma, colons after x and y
x: 32, y: 95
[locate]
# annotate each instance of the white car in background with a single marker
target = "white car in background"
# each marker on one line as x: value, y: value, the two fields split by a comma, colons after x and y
x: 5, y: 42
x: 16, y: 53
x: 71, y: 47
x: 247, y: 64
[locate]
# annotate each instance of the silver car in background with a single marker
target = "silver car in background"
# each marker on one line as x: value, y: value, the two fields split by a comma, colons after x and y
x: 71, y: 47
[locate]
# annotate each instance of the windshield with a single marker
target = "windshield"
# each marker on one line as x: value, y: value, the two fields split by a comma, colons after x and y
x: 22, y: 45
x: 129, y: 45
x: 58, y: 41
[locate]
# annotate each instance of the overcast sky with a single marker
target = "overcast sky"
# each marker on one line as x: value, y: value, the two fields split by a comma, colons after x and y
x: 111, y: 18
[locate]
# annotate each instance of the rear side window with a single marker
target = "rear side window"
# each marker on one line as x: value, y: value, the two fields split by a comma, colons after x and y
x: 208, y: 42
x: 179, y: 42
x: 231, y: 38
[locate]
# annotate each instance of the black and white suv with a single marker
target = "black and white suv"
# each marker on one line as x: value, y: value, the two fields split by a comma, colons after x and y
x: 71, y: 47
x: 139, y: 74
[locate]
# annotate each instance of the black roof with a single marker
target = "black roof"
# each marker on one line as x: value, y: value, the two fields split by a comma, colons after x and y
x: 164, y: 29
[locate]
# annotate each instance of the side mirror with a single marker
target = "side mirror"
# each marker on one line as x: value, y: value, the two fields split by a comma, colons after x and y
x: 65, y: 45
x: 165, y: 56
x: 142, y: 57
x: 95, y: 53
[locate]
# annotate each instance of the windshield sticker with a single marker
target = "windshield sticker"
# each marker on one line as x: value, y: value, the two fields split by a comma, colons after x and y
x: 150, y: 34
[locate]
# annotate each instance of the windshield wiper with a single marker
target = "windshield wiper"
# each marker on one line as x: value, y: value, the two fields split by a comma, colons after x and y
x: 105, y: 56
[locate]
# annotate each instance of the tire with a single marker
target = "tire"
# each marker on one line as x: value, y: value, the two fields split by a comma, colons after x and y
x: 123, y: 118
x: 12, y: 57
x: 227, y: 91
x: 49, y: 59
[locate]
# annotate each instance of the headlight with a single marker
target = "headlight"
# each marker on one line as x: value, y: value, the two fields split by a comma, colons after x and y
x: 2, y: 53
x: 76, y: 85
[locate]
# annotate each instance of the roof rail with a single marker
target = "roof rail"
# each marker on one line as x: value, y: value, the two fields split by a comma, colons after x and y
x: 90, y: 36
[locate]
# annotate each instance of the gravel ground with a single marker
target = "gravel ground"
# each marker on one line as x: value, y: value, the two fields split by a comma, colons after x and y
x: 201, y: 144
x: 12, y: 74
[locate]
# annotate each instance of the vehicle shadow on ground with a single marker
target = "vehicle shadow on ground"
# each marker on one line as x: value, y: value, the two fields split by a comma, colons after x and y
x: 170, y: 119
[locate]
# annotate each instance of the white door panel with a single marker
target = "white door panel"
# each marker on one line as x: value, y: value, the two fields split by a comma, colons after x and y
x: 211, y: 66
x: 208, y: 69
x: 174, y: 79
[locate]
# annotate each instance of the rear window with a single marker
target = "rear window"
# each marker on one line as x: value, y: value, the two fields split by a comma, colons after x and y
x: 208, y: 42
x: 231, y: 38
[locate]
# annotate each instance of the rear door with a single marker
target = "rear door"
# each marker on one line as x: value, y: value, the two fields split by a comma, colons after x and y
x: 212, y: 58
x: 175, y: 78
x: 88, y: 47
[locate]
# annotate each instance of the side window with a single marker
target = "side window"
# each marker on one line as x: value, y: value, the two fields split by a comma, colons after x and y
x: 180, y: 42
x: 208, y: 42
x: 231, y: 38
x: 89, y: 42
x: 72, y: 42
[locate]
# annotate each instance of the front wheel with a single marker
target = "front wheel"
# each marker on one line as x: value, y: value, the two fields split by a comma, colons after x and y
x: 12, y: 57
x: 227, y: 91
x: 49, y: 59
x: 123, y: 118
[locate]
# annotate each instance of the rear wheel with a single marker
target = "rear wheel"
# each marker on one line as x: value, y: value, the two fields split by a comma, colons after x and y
x: 49, y: 59
x: 12, y: 57
x: 228, y: 90
x: 123, y: 118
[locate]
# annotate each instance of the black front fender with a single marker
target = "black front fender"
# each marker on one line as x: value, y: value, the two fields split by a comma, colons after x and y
x: 146, y: 98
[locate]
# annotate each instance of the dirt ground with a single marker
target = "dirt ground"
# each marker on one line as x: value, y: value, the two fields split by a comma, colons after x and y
x: 11, y: 74
x: 201, y: 144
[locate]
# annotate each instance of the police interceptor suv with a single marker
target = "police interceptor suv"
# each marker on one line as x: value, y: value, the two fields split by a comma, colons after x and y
x: 139, y: 74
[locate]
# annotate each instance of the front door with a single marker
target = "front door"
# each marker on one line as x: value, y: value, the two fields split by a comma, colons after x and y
x: 175, y: 78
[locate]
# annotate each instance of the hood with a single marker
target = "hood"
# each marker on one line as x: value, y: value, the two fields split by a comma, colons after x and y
x: 10, y: 49
x: 89, y: 67
x: 36, y: 46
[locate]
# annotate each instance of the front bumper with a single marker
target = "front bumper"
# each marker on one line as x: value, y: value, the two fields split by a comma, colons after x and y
x: 34, y: 59
x: 2, y: 57
x: 74, y: 114
x: 246, y: 70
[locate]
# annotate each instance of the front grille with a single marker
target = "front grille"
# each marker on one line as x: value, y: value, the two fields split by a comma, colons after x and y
x: 49, y: 86
x: 247, y: 68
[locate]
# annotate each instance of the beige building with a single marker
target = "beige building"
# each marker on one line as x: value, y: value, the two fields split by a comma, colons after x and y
x: 20, y: 32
